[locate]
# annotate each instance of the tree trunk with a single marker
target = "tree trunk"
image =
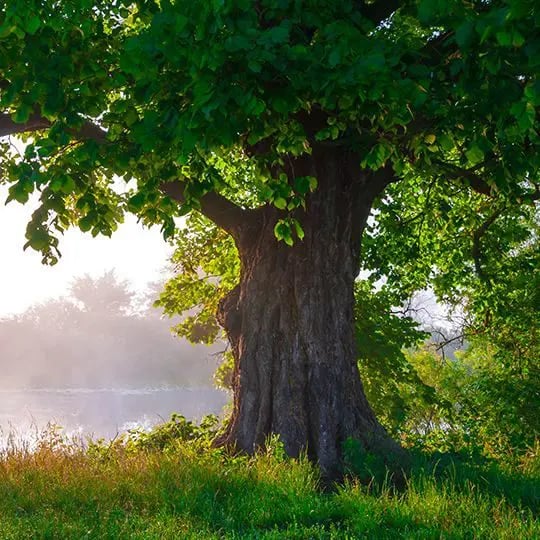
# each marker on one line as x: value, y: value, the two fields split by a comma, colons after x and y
x: 290, y: 322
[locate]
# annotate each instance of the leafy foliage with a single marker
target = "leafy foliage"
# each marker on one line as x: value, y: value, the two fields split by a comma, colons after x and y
x: 481, y: 407
x: 384, y: 368
x: 482, y: 259
x: 207, y: 267
x: 191, y: 91
x: 176, y: 431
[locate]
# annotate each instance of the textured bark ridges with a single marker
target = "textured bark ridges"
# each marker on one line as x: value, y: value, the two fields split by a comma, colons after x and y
x: 290, y: 323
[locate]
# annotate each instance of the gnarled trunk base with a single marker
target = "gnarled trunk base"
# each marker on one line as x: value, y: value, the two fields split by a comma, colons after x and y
x: 290, y: 323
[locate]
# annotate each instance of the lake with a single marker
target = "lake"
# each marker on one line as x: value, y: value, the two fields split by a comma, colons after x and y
x: 99, y: 412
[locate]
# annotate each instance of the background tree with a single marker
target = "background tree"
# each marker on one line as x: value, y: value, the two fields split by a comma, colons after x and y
x: 67, y: 343
x: 283, y: 123
x: 491, y: 390
x: 103, y: 295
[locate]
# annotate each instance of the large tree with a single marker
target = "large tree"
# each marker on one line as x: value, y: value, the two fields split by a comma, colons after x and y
x: 283, y: 122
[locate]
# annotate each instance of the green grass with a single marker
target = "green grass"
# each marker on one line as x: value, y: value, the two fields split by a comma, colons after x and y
x: 63, y: 491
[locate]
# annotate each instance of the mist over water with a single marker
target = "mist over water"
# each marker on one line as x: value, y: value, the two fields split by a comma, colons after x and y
x: 97, y: 413
x: 98, y: 363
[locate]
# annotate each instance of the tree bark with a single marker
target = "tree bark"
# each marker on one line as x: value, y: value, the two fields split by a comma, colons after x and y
x: 290, y: 322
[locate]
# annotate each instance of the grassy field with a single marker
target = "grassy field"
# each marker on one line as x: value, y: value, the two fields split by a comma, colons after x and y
x: 64, y: 491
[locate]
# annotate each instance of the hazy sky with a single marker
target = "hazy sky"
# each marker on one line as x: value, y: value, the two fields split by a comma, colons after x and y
x: 135, y: 253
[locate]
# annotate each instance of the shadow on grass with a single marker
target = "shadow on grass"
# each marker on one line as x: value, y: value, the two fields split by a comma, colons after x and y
x: 458, y: 472
x: 254, y: 507
x: 443, y: 497
x: 484, y: 477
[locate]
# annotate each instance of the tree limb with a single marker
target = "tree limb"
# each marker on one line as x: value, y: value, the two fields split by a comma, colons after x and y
x: 224, y: 213
x: 383, y: 177
x: 9, y: 127
x: 36, y: 122
x: 477, y: 183
x: 90, y: 131
x: 477, y: 245
x: 217, y: 208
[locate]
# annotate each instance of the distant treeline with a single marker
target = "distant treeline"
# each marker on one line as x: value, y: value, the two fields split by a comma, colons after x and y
x: 102, y: 334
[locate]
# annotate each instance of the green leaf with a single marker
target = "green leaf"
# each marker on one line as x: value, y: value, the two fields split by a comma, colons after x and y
x: 18, y: 193
x: 475, y: 154
x: 446, y: 142
x: 517, y: 39
x: 22, y: 114
x: 6, y: 29
x: 302, y: 184
x: 377, y: 156
x: 374, y: 61
x: 38, y: 239
x: 504, y: 38
x: 464, y: 33
x: 280, y: 203
x: 33, y: 24
x: 137, y: 201
x: 298, y: 228
x: 334, y: 57
x: 86, y: 222
x: 254, y: 65
x: 68, y: 185
x: 277, y: 34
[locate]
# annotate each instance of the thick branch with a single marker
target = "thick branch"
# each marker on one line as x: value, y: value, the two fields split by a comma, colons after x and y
x: 90, y: 131
x: 36, y: 122
x: 382, y: 178
x: 476, y: 182
x: 9, y: 127
x: 477, y: 244
x: 224, y: 213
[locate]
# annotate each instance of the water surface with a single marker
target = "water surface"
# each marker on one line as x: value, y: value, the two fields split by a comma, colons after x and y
x: 99, y: 412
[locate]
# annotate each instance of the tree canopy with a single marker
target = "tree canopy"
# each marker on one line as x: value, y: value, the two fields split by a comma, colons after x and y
x: 213, y: 97
x: 409, y: 126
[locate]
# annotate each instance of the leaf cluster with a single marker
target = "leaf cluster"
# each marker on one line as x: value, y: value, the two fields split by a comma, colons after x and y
x: 221, y: 96
x: 207, y: 267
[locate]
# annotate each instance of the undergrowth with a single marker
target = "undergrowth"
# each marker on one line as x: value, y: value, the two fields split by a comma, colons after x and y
x: 171, y: 483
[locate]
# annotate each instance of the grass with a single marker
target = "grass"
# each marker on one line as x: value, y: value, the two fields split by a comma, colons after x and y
x: 62, y: 490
